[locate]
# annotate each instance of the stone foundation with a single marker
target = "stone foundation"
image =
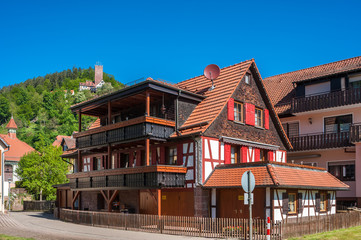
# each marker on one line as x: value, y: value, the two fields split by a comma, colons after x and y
x: 201, y: 202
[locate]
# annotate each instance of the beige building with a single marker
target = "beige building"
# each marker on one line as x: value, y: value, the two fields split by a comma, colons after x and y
x: 319, y: 108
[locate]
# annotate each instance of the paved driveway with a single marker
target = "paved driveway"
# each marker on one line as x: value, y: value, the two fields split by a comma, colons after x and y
x: 44, y: 226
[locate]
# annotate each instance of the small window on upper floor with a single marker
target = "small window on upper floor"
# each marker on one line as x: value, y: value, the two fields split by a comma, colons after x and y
x: 247, y: 79
x: 258, y: 113
x: 238, y: 111
x: 172, y: 155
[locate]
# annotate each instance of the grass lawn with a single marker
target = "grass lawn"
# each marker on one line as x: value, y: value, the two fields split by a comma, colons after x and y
x: 5, y: 237
x: 353, y: 233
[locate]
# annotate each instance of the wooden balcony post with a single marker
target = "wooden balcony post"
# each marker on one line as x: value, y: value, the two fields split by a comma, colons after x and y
x: 79, y: 114
x: 109, y: 157
x: 79, y: 161
x: 109, y: 113
x: 147, y: 151
x: 147, y: 104
x: 159, y: 200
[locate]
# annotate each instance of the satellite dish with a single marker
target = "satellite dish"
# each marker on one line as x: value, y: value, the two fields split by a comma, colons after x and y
x: 211, y: 72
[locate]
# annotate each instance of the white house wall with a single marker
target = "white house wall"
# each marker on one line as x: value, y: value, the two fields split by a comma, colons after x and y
x: 309, y: 204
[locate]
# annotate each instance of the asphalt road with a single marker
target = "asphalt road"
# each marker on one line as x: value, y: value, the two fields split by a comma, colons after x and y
x: 43, y: 226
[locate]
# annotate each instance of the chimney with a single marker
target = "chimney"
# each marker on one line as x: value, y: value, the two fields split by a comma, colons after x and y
x: 12, y: 128
x: 98, y: 74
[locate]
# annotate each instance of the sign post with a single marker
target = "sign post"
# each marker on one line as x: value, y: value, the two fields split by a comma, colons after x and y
x: 248, y: 184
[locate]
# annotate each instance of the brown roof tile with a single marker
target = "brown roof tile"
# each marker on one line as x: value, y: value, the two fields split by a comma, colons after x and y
x: 275, y: 174
x: 215, y: 100
x: 281, y: 88
x: 58, y: 140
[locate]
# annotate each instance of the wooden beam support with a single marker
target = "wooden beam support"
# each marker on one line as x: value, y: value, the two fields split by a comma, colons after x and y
x: 74, y: 199
x: 147, y: 151
x: 109, y: 157
x: 109, y: 112
x: 147, y: 104
x: 79, y: 114
x: 79, y: 161
x: 159, y: 198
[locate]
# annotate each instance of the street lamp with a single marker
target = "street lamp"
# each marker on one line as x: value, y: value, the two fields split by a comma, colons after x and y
x: 9, y: 180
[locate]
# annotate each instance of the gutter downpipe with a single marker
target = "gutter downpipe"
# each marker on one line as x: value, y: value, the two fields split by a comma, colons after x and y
x: 2, y: 178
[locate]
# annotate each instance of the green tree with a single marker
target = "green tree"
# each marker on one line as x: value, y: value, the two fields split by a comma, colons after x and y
x: 40, y: 171
x: 4, y: 110
x: 106, y: 88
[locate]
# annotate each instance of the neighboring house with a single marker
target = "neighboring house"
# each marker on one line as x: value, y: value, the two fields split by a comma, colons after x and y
x: 18, y: 149
x: 181, y: 149
x: 68, y: 146
x: 4, y: 147
x: 319, y: 108
x: 97, y: 83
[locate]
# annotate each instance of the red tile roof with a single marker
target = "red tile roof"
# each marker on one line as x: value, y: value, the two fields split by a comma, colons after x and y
x: 95, y: 124
x: 275, y: 175
x: 17, y: 148
x: 215, y: 100
x: 87, y: 83
x: 58, y: 140
x: 281, y: 87
x: 12, y: 124
x: 70, y: 143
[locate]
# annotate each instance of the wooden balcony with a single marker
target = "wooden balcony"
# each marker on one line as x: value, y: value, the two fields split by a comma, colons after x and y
x: 126, y: 130
x: 320, y: 141
x: 129, y: 178
x: 327, y: 100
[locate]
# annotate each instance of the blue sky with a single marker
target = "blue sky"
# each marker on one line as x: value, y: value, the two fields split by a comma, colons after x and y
x: 173, y: 40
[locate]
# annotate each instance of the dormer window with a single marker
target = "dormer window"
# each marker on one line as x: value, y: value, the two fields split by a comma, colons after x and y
x: 247, y: 79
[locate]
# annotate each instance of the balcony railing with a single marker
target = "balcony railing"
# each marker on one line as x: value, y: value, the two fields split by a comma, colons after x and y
x: 327, y: 100
x: 130, y: 178
x: 320, y: 141
x: 355, y: 133
x: 126, y: 130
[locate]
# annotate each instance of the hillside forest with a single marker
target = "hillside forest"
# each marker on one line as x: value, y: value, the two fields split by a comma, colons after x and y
x: 40, y: 106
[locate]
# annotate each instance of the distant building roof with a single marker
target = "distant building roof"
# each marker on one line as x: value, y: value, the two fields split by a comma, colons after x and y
x: 11, y: 124
x: 18, y: 148
x: 59, y: 139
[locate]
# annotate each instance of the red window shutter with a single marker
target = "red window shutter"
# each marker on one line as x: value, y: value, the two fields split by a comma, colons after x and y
x: 139, y: 158
x: 162, y: 155
x: 244, y: 150
x: 270, y: 156
x: 231, y: 109
x: 250, y: 117
x: 266, y: 119
x: 131, y: 158
x: 227, y: 153
x: 154, y: 156
x: 257, y: 155
x: 180, y: 154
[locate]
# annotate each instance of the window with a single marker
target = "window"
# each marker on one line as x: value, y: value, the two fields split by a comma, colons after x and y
x: 238, y: 111
x: 247, y: 79
x: 97, y: 163
x: 234, y: 154
x: 323, y: 201
x: 258, y: 117
x: 292, y: 203
x: 355, y: 81
x: 343, y: 171
x: 291, y: 129
x: 338, y: 124
x: 86, y: 165
x: 318, y: 88
x: 263, y: 155
x: 172, y: 155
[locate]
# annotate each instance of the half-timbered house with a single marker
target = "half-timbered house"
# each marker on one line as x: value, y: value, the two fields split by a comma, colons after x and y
x: 160, y: 148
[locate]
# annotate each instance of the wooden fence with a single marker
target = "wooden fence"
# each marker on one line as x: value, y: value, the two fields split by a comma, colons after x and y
x: 211, y: 227
x: 318, y: 224
x: 175, y: 225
